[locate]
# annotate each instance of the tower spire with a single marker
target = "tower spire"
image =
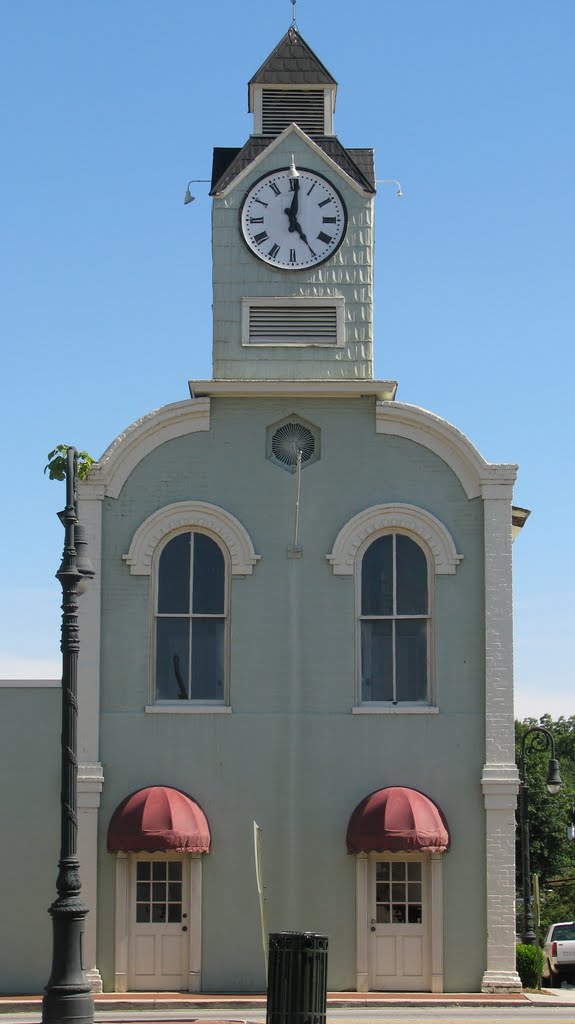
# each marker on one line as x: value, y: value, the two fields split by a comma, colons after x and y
x: 293, y: 19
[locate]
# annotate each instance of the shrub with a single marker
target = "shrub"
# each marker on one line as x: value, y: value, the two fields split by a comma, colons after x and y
x: 526, y: 960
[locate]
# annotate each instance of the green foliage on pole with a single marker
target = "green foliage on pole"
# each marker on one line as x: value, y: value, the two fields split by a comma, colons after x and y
x: 552, y: 854
x: 56, y: 465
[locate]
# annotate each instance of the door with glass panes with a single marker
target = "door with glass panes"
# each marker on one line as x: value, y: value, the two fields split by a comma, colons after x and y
x: 399, y: 946
x: 159, y: 933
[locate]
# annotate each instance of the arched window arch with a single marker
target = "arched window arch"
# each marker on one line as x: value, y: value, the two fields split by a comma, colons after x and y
x: 394, y: 620
x: 191, y: 619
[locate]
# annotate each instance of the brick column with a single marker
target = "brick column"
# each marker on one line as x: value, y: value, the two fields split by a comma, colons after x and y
x: 500, y: 777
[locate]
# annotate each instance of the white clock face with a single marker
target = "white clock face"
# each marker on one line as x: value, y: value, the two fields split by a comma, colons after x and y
x: 293, y: 223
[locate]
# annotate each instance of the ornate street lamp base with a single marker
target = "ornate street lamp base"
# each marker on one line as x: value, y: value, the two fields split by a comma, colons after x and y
x: 68, y: 998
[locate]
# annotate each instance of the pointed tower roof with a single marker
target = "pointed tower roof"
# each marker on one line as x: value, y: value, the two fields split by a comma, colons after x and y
x: 292, y: 62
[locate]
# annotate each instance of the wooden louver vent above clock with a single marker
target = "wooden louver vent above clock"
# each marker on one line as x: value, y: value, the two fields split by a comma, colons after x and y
x: 293, y: 320
x: 282, y: 107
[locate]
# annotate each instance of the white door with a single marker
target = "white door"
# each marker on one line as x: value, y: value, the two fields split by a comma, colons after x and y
x: 159, y: 926
x: 399, y: 925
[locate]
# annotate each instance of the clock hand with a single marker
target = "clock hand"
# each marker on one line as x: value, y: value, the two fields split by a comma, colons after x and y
x: 293, y: 209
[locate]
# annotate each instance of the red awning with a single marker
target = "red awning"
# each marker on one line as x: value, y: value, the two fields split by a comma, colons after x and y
x: 156, y: 819
x: 397, y: 819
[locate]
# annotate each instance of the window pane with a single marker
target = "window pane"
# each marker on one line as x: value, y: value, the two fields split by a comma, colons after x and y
x: 398, y: 870
x: 414, y: 914
x: 159, y: 913
x: 159, y: 870
x: 414, y: 872
x: 172, y: 659
x: 209, y: 576
x: 382, y: 871
x: 175, y: 870
x: 174, y: 576
x: 382, y: 913
x: 174, y: 913
x: 208, y: 659
x: 143, y: 870
x: 398, y: 914
x: 376, y: 660
x: 142, y: 891
x: 411, y: 569
x: 142, y: 913
x: 377, y: 578
x: 411, y: 659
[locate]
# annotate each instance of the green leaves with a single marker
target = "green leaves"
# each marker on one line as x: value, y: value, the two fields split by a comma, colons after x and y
x: 56, y: 465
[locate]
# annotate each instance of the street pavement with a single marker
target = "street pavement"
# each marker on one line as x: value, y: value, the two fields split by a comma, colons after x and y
x: 550, y: 1006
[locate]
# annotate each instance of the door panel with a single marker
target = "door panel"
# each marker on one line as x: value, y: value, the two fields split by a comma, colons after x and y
x: 159, y: 937
x: 399, y: 936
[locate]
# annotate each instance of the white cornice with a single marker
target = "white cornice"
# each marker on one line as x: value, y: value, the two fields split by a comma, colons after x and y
x: 109, y: 474
x: 274, y: 143
x: 478, y: 477
x: 291, y: 388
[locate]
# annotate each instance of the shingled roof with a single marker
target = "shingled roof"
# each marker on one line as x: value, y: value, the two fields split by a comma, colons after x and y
x: 292, y: 62
x: 229, y: 162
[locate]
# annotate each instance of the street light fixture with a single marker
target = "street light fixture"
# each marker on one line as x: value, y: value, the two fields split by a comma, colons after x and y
x: 68, y: 997
x: 541, y: 739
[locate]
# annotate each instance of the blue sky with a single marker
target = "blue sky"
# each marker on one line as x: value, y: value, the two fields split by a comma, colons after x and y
x: 109, y: 108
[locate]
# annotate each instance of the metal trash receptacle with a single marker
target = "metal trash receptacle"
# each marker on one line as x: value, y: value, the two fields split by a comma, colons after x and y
x: 297, y: 978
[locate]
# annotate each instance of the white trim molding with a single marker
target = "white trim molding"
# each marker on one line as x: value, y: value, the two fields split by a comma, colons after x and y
x: 191, y: 514
x: 394, y: 516
x: 112, y: 470
x: 90, y: 782
x: 473, y: 472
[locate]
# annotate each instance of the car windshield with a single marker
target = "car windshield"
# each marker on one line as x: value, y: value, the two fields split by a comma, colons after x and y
x: 564, y: 932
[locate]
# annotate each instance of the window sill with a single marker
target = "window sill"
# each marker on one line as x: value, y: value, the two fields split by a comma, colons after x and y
x: 395, y: 709
x: 188, y: 709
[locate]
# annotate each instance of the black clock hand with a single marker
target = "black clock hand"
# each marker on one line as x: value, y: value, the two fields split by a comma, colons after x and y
x: 292, y: 210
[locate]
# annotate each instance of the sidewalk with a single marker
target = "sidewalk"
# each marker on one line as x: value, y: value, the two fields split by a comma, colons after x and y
x: 159, y: 1001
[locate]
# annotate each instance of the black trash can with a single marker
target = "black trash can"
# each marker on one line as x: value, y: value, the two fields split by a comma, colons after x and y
x: 297, y: 978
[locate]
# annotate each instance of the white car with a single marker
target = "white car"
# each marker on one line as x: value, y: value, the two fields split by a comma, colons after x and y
x: 560, y: 954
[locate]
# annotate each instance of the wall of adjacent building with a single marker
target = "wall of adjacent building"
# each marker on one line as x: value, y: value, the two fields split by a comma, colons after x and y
x: 30, y: 719
x: 291, y: 755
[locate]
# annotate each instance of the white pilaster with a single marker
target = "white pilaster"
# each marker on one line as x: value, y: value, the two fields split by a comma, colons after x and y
x: 90, y: 777
x: 500, y: 776
x: 361, y: 921
x: 121, y: 931
x: 436, y: 885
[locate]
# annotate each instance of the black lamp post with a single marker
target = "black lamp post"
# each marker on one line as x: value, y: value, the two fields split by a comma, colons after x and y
x: 541, y: 740
x: 67, y: 995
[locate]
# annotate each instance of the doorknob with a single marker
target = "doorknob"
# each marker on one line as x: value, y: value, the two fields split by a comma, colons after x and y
x: 372, y: 928
x: 185, y: 928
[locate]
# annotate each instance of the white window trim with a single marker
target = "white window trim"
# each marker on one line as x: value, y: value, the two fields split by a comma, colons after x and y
x: 336, y: 301
x: 192, y: 705
x: 191, y: 515
x: 406, y: 518
x: 395, y: 707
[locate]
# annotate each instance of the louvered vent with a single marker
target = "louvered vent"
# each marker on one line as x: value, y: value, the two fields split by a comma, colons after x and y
x: 286, y: 437
x: 282, y: 107
x: 291, y: 438
x: 293, y: 325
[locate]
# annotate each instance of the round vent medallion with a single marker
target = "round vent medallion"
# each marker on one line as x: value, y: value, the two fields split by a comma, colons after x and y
x: 291, y: 438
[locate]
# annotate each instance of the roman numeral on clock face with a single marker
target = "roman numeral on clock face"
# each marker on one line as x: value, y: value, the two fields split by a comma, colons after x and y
x: 325, y: 202
x: 292, y: 184
x: 262, y: 237
x: 274, y: 251
x: 274, y: 188
x: 292, y: 255
x: 327, y: 220
x: 260, y: 220
x: 324, y: 238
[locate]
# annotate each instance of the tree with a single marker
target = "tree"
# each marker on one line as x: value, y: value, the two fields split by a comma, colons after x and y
x: 552, y: 854
x: 56, y: 465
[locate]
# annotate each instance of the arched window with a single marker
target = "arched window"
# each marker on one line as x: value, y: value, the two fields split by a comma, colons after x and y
x: 394, y: 621
x: 191, y: 620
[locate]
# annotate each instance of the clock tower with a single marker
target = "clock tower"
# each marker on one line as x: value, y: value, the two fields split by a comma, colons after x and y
x: 293, y: 234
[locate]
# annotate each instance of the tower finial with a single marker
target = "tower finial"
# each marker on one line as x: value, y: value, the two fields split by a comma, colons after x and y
x: 293, y: 21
